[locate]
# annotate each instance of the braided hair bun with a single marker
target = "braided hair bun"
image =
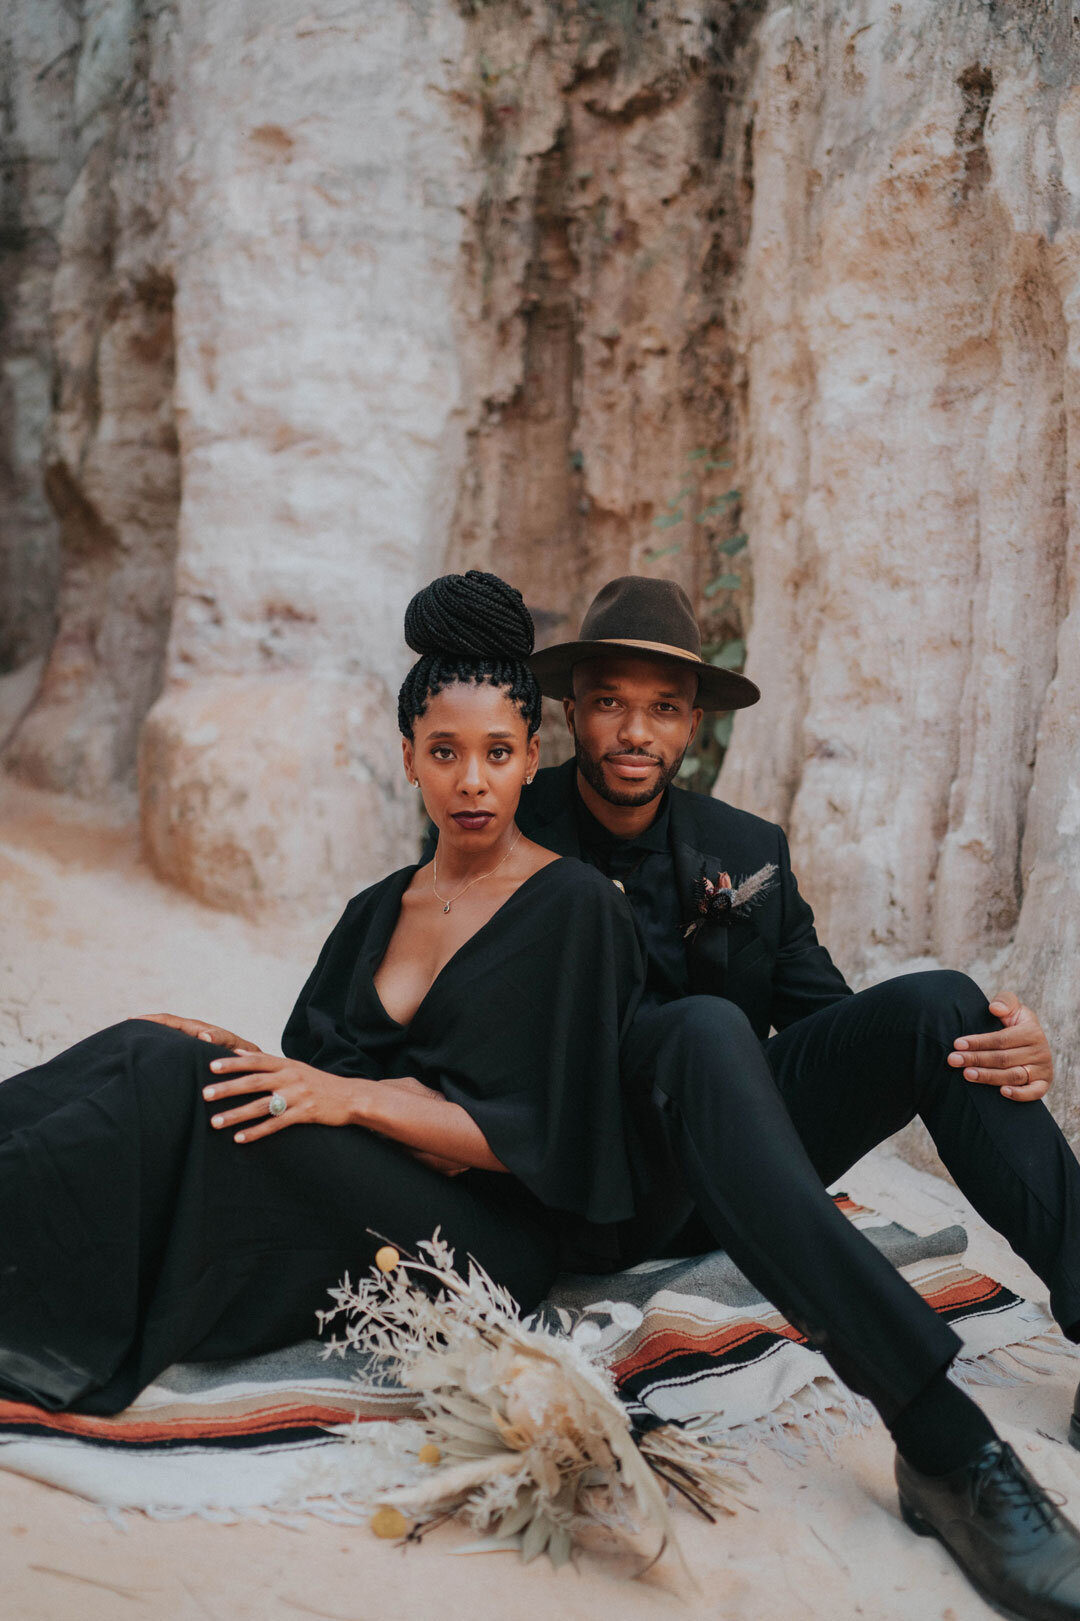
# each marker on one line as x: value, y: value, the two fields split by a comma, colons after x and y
x: 469, y: 627
x: 471, y: 615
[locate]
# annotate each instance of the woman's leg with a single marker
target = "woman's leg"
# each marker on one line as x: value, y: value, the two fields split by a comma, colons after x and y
x: 91, y: 1150
x: 336, y: 1194
x: 132, y: 1234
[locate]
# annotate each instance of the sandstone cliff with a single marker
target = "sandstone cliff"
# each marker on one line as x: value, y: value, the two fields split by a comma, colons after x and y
x: 254, y: 442
x: 331, y: 298
x: 910, y: 296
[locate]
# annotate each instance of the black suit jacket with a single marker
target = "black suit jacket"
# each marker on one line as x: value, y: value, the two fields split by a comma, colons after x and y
x: 770, y: 963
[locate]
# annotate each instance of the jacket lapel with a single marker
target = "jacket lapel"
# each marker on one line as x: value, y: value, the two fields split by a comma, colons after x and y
x: 707, y: 948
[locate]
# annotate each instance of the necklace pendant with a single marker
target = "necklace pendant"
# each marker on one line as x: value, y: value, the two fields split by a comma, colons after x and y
x: 447, y: 907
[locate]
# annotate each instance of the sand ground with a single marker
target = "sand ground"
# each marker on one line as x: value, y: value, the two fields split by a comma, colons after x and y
x: 88, y: 937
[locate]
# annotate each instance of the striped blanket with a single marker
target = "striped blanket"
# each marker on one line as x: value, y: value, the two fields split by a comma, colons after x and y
x: 687, y: 1340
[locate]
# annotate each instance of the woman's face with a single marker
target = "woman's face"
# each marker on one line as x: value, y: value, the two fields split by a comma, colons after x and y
x: 471, y: 752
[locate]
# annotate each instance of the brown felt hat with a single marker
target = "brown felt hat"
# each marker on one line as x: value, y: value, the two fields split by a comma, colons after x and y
x: 649, y: 619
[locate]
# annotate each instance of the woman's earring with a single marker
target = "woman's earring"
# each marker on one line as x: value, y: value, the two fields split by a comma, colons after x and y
x: 528, y: 780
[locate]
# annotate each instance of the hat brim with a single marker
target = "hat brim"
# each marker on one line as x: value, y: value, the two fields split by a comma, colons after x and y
x: 553, y: 668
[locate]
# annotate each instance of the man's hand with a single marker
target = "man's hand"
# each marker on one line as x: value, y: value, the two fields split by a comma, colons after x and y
x: 202, y: 1031
x: 1016, y: 1058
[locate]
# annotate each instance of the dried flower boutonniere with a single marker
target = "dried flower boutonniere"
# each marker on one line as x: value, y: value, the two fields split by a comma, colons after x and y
x: 723, y: 903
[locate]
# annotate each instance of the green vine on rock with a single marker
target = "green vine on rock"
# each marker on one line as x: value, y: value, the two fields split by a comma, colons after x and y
x: 696, y: 502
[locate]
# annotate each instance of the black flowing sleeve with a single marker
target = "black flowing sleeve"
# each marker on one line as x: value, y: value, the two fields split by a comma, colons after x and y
x: 526, y: 1029
x: 319, y: 1029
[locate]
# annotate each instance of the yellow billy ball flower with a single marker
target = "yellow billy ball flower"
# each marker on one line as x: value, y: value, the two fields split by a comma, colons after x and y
x: 389, y: 1522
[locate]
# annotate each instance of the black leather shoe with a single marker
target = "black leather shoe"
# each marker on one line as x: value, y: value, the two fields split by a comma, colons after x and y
x: 1004, y: 1531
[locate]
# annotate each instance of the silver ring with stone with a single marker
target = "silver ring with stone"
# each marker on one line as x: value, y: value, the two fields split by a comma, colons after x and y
x: 277, y: 1104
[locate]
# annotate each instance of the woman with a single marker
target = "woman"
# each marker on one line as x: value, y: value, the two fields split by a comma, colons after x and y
x: 169, y: 1192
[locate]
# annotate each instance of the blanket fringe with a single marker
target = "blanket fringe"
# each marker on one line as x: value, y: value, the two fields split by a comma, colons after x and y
x: 820, y: 1415
x: 1014, y: 1364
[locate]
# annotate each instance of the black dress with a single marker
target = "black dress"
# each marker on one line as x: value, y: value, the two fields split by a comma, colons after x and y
x: 133, y: 1235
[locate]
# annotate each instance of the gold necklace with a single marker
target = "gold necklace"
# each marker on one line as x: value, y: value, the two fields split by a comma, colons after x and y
x: 472, y: 881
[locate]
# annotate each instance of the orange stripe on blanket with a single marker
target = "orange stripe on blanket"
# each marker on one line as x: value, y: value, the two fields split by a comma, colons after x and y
x: 82, y: 1427
x: 656, y: 1349
x: 974, y: 1290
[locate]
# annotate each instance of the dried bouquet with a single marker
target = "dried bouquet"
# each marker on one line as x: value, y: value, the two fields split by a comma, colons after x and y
x: 526, y: 1438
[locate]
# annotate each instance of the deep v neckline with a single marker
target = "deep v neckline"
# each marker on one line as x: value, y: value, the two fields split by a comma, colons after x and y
x: 382, y: 941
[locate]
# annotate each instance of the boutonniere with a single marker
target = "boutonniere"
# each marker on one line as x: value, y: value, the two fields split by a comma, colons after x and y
x: 723, y: 902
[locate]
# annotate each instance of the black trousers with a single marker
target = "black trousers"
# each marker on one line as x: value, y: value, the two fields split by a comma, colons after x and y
x: 752, y: 1131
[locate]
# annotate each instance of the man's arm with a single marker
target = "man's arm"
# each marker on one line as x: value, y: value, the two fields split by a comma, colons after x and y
x: 805, y: 978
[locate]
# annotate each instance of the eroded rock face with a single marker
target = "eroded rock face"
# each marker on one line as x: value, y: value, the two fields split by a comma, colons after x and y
x: 602, y: 378
x: 253, y: 306
x: 315, y: 245
x: 259, y: 792
x: 110, y: 457
x: 911, y: 291
x: 38, y: 44
x: 344, y: 298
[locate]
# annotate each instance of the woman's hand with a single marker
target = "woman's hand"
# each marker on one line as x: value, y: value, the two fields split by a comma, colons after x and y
x: 437, y: 1132
x: 202, y: 1031
x: 312, y: 1096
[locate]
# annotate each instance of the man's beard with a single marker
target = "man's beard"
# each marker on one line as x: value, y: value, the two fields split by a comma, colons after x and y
x: 593, y: 772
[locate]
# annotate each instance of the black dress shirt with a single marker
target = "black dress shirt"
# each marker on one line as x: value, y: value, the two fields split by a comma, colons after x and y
x: 644, y: 868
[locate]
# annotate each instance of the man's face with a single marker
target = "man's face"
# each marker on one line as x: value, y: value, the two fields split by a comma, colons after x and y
x: 632, y: 721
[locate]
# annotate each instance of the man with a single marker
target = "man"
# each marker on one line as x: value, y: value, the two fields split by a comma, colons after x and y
x: 754, y: 1125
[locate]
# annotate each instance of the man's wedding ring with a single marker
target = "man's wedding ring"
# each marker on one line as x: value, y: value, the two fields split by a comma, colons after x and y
x: 278, y: 1104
